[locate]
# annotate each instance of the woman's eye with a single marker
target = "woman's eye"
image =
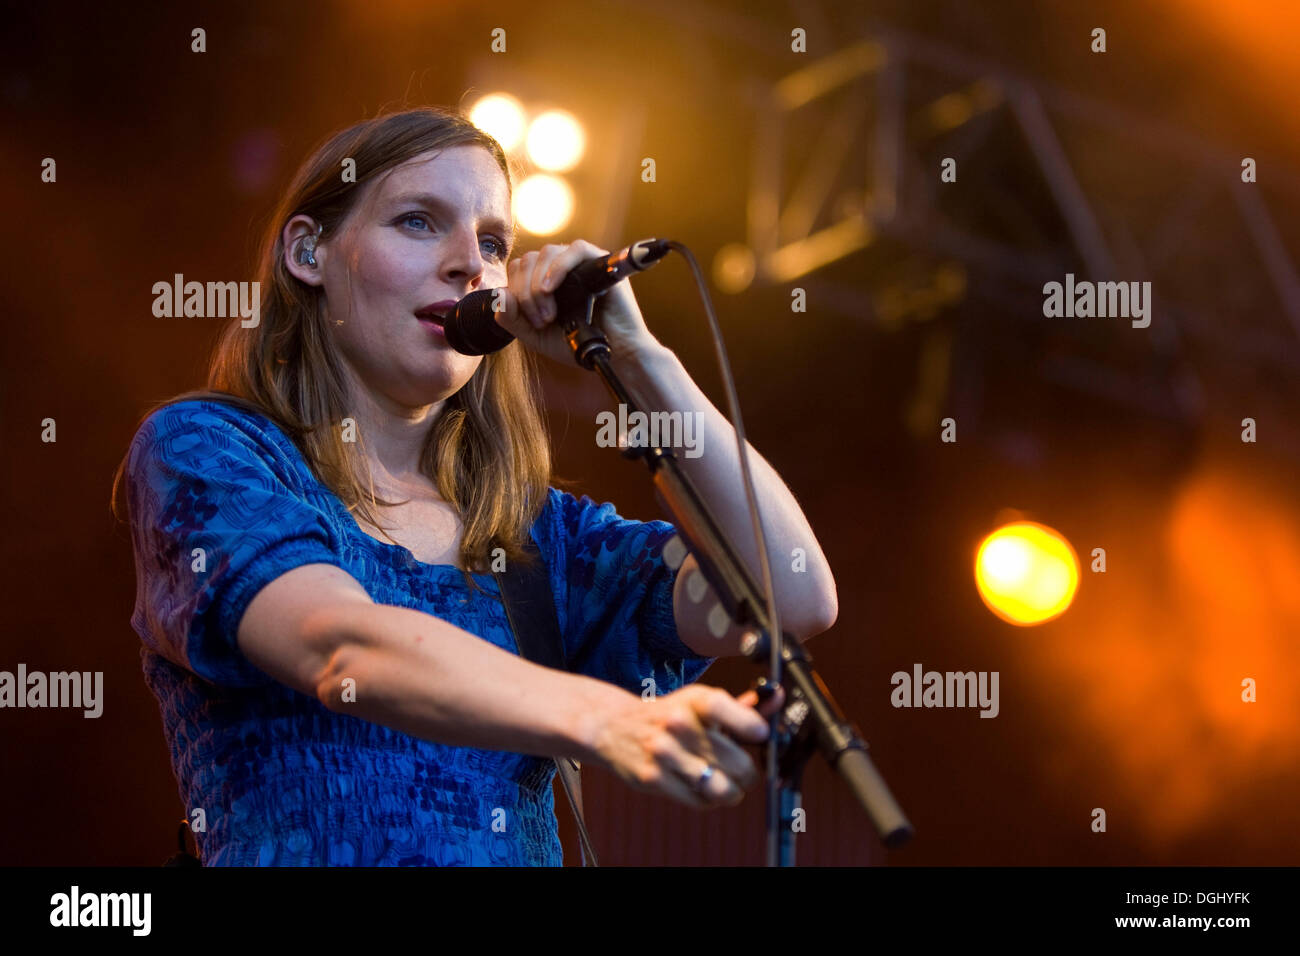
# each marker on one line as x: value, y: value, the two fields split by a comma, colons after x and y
x: 420, y: 223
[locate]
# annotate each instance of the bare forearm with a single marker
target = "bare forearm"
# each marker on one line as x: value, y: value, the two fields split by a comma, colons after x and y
x: 421, y: 675
x: 805, y: 587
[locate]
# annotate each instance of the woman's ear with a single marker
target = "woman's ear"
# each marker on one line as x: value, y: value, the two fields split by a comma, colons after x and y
x: 303, y: 253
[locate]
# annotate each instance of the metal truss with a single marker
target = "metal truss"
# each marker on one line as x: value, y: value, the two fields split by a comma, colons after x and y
x: 917, y: 100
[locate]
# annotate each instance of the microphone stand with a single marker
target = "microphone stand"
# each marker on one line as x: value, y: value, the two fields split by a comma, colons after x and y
x: 810, y: 719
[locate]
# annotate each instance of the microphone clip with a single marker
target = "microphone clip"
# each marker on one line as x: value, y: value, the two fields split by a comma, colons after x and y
x: 584, y: 335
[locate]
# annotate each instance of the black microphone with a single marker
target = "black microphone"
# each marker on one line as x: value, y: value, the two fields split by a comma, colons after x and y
x: 471, y: 327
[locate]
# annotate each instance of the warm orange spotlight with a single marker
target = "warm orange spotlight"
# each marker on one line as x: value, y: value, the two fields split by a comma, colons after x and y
x: 555, y: 141
x: 543, y: 204
x: 1026, y: 573
x: 501, y: 116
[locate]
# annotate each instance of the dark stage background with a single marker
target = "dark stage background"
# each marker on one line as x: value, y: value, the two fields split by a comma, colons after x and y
x: 927, y: 304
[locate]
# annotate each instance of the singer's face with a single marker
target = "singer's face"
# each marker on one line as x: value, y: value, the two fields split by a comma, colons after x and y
x: 432, y: 231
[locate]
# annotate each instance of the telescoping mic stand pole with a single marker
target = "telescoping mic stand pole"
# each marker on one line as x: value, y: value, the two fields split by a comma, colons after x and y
x: 810, y: 719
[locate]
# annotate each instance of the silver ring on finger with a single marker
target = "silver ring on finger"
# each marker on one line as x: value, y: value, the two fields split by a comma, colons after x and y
x: 703, y: 780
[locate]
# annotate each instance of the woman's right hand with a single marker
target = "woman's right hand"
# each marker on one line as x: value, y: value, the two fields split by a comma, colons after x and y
x: 663, y: 744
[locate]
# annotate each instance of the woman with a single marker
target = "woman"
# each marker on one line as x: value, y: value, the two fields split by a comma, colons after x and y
x: 333, y: 698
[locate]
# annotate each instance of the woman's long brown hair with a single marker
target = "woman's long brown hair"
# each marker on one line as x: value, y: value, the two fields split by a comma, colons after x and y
x: 487, y: 454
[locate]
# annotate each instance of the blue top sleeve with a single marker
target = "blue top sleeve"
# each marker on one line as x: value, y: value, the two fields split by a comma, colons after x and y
x: 616, y: 599
x: 216, y: 515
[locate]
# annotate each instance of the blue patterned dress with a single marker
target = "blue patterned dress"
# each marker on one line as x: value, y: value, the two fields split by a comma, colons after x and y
x: 285, y: 781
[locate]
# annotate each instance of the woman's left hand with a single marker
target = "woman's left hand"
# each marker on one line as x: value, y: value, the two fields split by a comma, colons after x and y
x: 530, y: 311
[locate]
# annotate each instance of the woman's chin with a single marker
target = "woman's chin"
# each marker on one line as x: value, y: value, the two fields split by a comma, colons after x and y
x: 427, y: 386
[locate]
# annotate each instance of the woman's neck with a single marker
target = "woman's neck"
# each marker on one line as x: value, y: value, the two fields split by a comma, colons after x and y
x: 393, y: 437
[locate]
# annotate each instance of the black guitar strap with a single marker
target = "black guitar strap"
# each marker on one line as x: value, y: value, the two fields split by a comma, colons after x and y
x: 530, y: 607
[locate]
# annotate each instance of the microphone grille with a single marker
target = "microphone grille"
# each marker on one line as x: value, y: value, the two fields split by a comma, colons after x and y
x: 471, y: 327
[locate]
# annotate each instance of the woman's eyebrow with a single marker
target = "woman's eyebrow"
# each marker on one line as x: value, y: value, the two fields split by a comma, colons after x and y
x: 437, y: 203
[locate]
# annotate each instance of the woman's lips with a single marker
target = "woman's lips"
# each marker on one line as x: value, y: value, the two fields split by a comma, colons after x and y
x: 433, y: 316
x: 434, y: 326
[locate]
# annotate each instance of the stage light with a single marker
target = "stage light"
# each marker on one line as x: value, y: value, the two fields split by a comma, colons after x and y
x: 733, y: 268
x: 1026, y: 573
x: 501, y: 116
x: 555, y: 141
x: 543, y: 204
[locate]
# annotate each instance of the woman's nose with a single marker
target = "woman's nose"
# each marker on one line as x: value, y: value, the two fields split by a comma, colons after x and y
x: 461, y: 254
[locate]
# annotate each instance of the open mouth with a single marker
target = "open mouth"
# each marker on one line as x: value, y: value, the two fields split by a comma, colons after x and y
x: 431, y: 320
x: 434, y: 316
